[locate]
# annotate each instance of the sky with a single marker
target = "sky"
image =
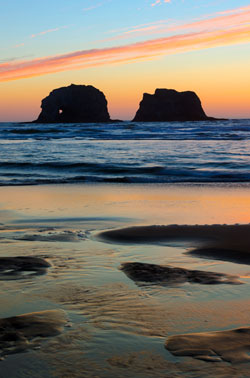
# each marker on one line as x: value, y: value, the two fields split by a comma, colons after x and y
x: 125, y: 48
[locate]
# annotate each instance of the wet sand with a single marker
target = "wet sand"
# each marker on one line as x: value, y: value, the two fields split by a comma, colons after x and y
x: 67, y: 244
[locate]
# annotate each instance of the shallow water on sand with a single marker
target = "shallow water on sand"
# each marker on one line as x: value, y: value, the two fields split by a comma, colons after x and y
x: 118, y: 327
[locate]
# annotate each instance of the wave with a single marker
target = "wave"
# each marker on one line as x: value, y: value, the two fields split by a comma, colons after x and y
x: 205, y: 130
x: 137, y: 179
x: 125, y: 153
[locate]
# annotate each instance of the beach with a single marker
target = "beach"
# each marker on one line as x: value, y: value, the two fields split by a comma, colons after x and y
x: 112, y: 324
x: 125, y: 189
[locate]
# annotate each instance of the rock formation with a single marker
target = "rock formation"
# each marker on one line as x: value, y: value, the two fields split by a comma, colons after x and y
x: 22, y: 266
x: 230, y: 346
x: 166, y: 274
x: 23, y: 332
x: 170, y: 105
x: 75, y: 103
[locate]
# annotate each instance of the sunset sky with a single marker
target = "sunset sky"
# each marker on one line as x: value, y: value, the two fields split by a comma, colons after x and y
x: 125, y: 48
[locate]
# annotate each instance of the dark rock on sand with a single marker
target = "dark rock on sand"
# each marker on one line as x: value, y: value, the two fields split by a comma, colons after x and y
x: 20, y: 333
x: 171, y: 275
x: 170, y: 105
x: 75, y: 103
x: 228, y: 238
x: 15, y: 267
x: 215, y: 242
x: 231, y: 346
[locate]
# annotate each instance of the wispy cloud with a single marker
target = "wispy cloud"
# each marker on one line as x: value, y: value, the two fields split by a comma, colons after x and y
x: 18, y: 45
x: 237, y: 10
x: 98, y: 5
x: 159, y: 2
x: 47, y: 31
x: 128, y: 29
x: 92, y: 7
x: 219, y: 20
x: 228, y: 31
x: 14, y: 58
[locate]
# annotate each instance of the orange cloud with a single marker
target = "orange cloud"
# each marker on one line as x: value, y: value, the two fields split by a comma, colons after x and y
x: 238, y: 32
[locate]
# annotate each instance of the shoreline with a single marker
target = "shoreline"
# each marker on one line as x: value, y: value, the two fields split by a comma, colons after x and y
x: 146, y: 204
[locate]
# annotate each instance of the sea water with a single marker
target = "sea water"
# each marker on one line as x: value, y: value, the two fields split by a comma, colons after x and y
x: 207, y: 151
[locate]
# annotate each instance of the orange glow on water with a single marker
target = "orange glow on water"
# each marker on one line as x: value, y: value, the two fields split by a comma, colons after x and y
x: 156, y: 204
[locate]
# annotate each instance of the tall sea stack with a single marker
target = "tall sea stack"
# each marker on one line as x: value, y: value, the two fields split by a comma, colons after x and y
x: 75, y: 103
x: 170, y: 105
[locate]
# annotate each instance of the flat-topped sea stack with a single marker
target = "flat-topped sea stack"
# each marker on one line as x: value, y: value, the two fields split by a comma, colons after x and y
x: 75, y: 103
x: 170, y: 105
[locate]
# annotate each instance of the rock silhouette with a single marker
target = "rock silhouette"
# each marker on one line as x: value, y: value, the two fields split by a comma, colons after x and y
x: 75, y: 103
x: 170, y: 105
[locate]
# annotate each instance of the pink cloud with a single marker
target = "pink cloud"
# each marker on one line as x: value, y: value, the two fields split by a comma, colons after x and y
x: 220, y: 20
x: 218, y: 31
x: 158, y: 2
x: 18, y: 45
x: 241, y: 9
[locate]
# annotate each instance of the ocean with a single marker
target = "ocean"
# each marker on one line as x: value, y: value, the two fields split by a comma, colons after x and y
x: 125, y: 152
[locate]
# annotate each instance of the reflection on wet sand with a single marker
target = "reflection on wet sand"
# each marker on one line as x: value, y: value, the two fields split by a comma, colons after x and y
x: 235, y: 256
x: 136, y: 311
x: 114, y: 306
x: 131, y: 312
